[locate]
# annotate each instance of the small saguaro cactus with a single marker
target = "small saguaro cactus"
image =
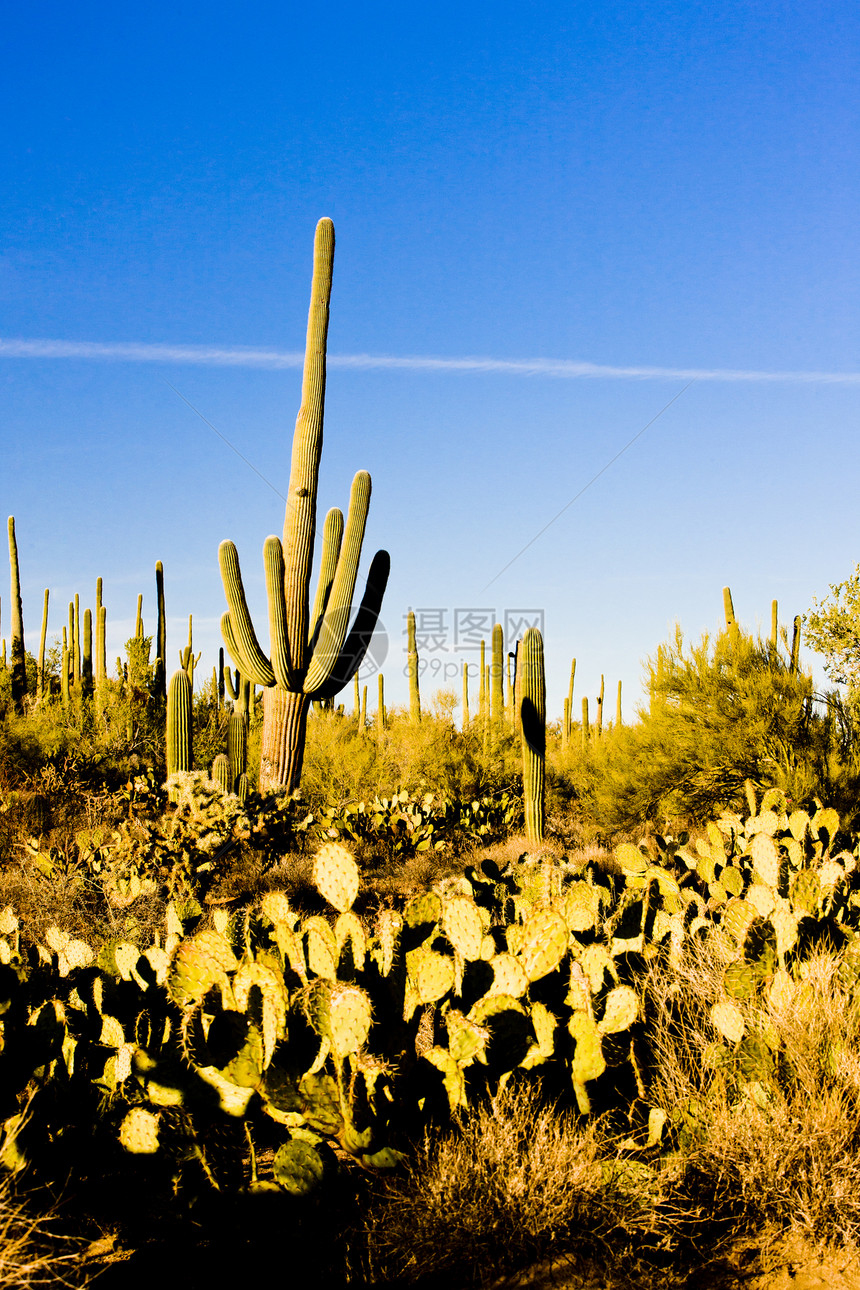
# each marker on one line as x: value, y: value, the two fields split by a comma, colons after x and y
x: 570, y: 695
x: 465, y: 696
x: 40, y: 674
x: 412, y: 669
x: 600, y: 706
x: 237, y: 746
x: 17, y: 657
x: 179, y: 723
x: 87, y: 659
x: 585, y: 729
x: 311, y: 655
x: 533, y: 726
x: 497, y: 681
x: 728, y: 607
x: 159, y: 679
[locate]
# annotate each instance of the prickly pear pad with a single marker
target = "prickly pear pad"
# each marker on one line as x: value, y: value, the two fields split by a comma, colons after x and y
x: 544, y: 943
x: 336, y: 876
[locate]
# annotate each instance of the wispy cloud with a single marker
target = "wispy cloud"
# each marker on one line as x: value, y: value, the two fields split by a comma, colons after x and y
x: 561, y: 368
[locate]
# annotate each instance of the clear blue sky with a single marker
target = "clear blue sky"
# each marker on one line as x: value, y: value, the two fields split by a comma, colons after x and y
x: 634, y: 186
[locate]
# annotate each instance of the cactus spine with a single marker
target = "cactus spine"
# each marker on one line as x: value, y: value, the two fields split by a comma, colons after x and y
x: 17, y: 658
x: 412, y: 669
x: 533, y: 725
x: 312, y: 657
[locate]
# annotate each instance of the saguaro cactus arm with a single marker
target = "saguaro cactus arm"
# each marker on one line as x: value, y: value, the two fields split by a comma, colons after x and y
x: 334, y: 624
x: 355, y: 646
x: 236, y: 626
x: 331, y: 544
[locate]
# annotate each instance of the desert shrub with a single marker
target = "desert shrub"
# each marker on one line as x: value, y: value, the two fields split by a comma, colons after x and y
x: 343, y: 764
x: 770, y: 1127
x: 515, y: 1181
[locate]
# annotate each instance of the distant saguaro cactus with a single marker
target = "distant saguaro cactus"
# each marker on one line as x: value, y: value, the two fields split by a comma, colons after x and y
x: 412, y: 669
x: 179, y: 723
x: 17, y: 659
x: 533, y: 726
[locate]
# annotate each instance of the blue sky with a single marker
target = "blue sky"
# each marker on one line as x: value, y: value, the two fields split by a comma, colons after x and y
x: 631, y: 186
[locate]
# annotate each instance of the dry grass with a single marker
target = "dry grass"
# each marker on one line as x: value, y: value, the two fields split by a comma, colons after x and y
x: 781, y: 1160
x: 31, y: 1252
x: 515, y: 1182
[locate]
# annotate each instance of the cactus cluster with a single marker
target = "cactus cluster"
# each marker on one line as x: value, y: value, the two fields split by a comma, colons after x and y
x: 345, y: 1030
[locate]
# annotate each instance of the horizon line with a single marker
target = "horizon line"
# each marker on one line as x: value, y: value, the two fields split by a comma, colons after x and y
x: 237, y: 356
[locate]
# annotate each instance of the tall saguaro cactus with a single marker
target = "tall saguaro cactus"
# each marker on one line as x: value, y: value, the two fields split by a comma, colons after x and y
x: 533, y: 726
x: 311, y: 655
x: 17, y: 658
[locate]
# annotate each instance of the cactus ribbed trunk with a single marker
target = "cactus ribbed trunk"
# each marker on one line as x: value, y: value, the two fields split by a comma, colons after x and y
x: 465, y: 696
x: 237, y: 747
x: 600, y: 707
x: 285, y: 715
x: 585, y: 730
x: 533, y: 725
x: 17, y: 657
x: 618, y: 722
x: 180, y: 718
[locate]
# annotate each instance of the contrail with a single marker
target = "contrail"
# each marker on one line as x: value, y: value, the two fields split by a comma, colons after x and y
x: 566, y: 369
